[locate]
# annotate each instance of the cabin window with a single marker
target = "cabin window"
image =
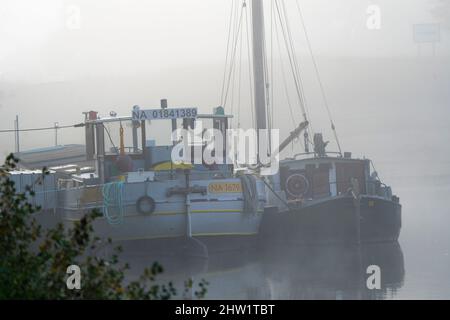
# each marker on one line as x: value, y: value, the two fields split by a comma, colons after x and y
x: 346, y: 171
x: 321, y: 181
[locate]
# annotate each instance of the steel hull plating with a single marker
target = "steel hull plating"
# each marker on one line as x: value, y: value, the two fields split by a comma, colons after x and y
x: 213, y: 217
x: 173, y: 225
x: 212, y: 231
x: 335, y: 220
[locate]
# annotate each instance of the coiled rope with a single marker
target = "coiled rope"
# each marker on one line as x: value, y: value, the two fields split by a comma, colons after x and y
x: 113, y: 199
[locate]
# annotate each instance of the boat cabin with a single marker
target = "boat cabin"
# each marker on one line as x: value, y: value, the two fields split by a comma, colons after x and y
x: 144, y: 157
x: 322, y: 177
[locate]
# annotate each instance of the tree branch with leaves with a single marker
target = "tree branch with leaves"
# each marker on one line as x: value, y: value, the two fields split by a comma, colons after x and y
x: 34, y: 263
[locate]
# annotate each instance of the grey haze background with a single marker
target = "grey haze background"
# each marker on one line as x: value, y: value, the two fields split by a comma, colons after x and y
x: 390, y: 101
x: 121, y: 53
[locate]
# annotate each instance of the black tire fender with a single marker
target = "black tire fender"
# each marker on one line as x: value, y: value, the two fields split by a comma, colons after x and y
x: 145, y: 205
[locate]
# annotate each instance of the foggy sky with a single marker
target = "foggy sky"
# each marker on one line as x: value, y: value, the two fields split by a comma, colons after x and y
x: 43, y: 42
x: 124, y: 53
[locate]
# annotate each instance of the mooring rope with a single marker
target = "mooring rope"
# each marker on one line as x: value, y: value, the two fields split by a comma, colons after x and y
x: 113, y: 198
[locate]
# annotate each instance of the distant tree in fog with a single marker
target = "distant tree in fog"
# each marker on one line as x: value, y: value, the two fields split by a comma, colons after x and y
x: 441, y: 10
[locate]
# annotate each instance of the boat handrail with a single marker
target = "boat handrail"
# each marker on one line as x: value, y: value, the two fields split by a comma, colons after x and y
x: 367, y: 192
x: 164, y: 175
x: 129, y: 118
x: 128, y: 150
x: 312, y: 154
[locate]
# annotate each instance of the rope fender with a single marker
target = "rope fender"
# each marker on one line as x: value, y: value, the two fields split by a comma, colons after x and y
x: 250, y: 193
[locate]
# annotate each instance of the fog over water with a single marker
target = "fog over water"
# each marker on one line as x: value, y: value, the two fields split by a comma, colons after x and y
x: 390, y: 99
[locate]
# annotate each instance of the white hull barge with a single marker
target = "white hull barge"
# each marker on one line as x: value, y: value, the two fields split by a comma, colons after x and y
x: 211, y: 214
x: 144, y: 195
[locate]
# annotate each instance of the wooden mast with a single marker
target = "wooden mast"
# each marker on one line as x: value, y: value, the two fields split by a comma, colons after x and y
x: 259, y: 53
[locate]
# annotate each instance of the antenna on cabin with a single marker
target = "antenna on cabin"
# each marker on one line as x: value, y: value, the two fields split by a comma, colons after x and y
x: 16, y: 127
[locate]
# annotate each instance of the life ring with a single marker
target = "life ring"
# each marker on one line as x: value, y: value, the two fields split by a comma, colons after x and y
x: 145, y: 205
x: 297, y: 185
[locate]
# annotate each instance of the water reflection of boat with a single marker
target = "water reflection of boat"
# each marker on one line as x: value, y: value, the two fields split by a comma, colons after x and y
x: 333, y: 272
x: 319, y: 272
x: 230, y: 274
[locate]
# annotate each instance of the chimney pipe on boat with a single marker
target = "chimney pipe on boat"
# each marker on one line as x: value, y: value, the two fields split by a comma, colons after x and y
x: 90, y: 134
x: 163, y: 103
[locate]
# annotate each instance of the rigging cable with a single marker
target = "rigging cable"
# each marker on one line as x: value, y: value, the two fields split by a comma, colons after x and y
x: 296, y: 64
x: 266, y: 78
x: 227, y: 53
x: 285, y: 30
x: 43, y: 129
x: 239, y: 80
x: 233, y: 57
x: 110, y: 139
x: 291, y: 57
x: 333, y: 127
x: 236, y: 34
x: 283, y: 75
x: 234, y: 61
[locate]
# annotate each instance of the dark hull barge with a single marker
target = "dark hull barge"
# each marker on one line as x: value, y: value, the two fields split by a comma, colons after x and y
x: 334, y: 221
x: 331, y: 200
